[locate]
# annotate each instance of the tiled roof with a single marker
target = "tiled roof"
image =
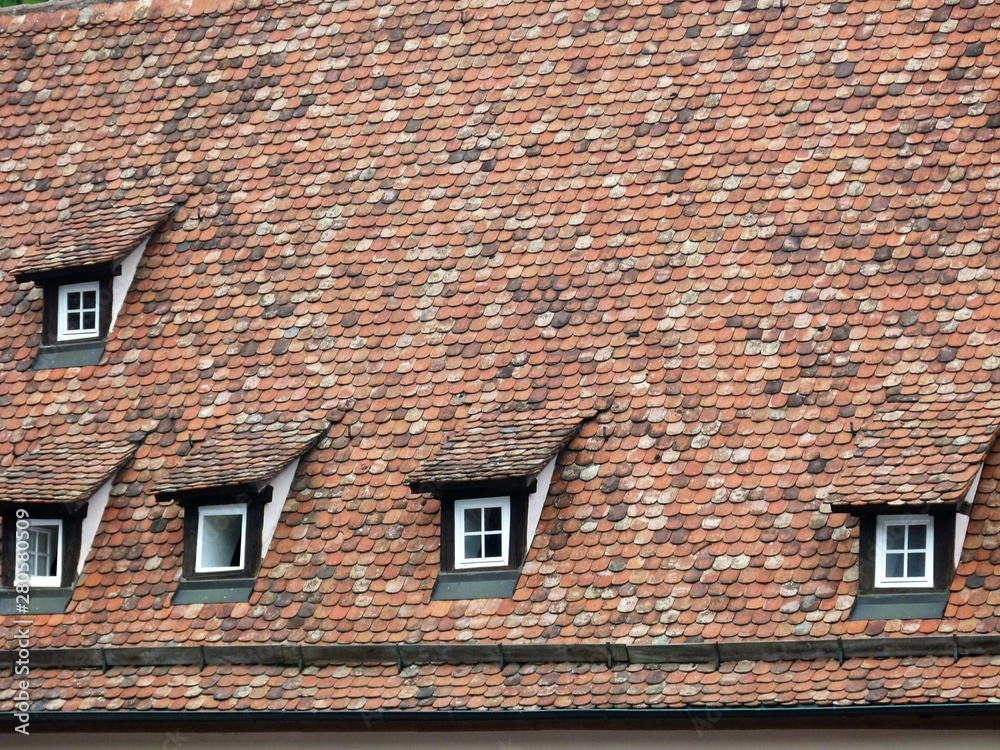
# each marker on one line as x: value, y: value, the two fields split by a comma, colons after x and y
x: 245, y: 453
x: 90, y: 237
x: 765, y: 234
x: 497, y: 446
x: 922, y: 450
x: 350, y: 689
x: 65, y: 472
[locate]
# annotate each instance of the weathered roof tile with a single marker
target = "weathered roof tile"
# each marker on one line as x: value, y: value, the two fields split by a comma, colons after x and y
x: 92, y: 236
x: 499, y: 446
x: 65, y: 472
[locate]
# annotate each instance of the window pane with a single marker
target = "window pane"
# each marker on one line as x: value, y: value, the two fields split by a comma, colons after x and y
x: 473, y: 547
x: 38, y: 552
x: 895, y: 537
x: 894, y: 565
x: 918, y: 537
x: 73, y: 321
x: 494, y: 545
x: 473, y: 519
x: 73, y: 300
x: 480, y: 532
x: 494, y: 519
x: 221, y: 541
x: 43, y: 553
x: 90, y: 300
x: 52, y: 551
x: 917, y: 564
x: 89, y: 320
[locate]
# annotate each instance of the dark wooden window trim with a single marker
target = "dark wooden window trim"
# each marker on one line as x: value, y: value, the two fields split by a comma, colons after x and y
x: 192, y: 504
x: 517, y: 491
x: 944, y: 543
x: 71, y: 514
x: 50, y: 300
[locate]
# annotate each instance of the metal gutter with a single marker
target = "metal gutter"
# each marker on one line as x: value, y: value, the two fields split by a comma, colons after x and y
x: 609, y: 654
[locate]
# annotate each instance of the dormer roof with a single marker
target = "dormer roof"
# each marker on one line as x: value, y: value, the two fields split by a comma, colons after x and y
x: 919, y: 449
x: 90, y: 237
x: 492, y: 447
x: 237, y: 454
x: 63, y: 471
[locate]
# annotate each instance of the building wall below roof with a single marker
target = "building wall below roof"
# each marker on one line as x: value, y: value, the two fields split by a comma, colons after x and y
x: 702, y: 737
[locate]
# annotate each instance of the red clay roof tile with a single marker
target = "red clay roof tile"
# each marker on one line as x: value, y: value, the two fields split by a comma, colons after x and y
x: 766, y: 236
x: 499, y: 446
x: 92, y: 236
x: 67, y: 472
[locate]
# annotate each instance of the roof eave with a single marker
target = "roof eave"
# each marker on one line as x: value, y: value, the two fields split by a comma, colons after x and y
x: 866, y: 507
x: 97, y: 269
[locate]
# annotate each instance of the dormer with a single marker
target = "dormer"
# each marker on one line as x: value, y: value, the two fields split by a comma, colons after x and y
x: 52, y: 500
x: 492, y: 475
x: 85, y: 268
x: 911, y: 480
x: 232, y: 488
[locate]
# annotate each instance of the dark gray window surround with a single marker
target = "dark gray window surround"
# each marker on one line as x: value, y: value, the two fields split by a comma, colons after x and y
x: 485, y: 582
x: 47, y: 600
x: 229, y: 586
x: 874, y: 603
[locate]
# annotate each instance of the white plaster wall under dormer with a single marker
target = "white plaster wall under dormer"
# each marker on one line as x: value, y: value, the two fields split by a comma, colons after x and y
x: 122, y: 283
x: 536, y: 500
x: 962, y: 519
x: 88, y: 529
x: 281, y: 485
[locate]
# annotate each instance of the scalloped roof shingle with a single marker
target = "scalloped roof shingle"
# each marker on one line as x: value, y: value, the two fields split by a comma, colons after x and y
x: 65, y: 472
x: 746, y: 226
x: 92, y: 236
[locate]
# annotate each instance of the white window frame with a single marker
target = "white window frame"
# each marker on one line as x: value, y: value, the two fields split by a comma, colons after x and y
x: 461, y: 561
x: 204, y: 512
x: 49, y: 581
x: 881, y: 529
x: 62, y: 332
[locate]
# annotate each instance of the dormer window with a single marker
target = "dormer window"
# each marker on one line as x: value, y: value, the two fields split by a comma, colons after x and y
x: 491, y: 477
x: 910, y: 480
x: 85, y: 267
x: 905, y: 563
x: 904, y: 551
x: 482, y: 533
x: 76, y: 316
x: 483, y: 526
x: 52, y: 500
x: 232, y: 488
x: 79, y: 311
x: 45, y: 552
x: 222, y: 539
x: 222, y: 533
x: 48, y: 545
